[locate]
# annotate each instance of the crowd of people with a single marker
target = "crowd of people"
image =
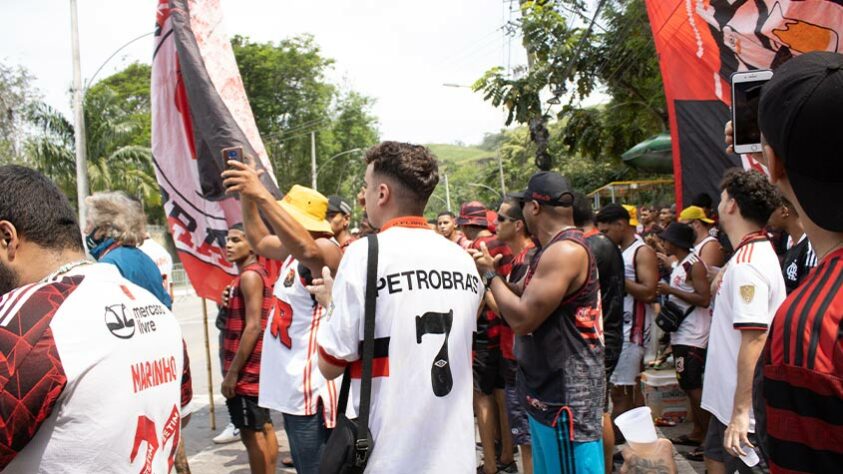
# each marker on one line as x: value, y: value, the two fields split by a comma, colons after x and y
x: 532, y: 321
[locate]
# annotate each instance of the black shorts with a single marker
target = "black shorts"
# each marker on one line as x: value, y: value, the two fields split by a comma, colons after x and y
x: 713, y: 448
x: 488, y: 373
x: 246, y: 414
x: 690, y: 365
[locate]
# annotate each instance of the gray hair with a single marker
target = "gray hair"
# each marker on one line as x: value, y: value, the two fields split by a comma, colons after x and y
x: 120, y: 217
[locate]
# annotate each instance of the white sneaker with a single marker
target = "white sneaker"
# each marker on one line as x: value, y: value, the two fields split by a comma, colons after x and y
x: 229, y: 435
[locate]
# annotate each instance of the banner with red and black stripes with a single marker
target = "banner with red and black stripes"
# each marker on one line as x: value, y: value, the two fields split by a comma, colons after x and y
x: 700, y: 44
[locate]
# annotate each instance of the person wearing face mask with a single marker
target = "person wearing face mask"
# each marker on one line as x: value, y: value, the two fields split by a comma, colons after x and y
x: 114, y: 230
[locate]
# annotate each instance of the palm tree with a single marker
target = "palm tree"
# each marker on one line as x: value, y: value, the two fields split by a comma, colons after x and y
x: 114, y: 161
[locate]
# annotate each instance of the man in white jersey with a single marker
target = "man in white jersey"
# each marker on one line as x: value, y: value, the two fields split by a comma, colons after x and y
x: 706, y: 246
x: 93, y: 375
x: 750, y: 292
x: 303, y: 242
x: 641, y: 276
x: 429, y: 294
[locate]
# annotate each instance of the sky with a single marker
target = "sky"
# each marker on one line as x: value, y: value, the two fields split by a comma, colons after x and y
x: 400, y: 52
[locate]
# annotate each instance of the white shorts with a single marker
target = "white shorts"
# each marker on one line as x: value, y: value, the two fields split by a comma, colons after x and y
x: 629, y: 364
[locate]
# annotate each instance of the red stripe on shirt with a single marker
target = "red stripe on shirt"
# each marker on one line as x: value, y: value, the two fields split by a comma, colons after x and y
x: 380, y: 368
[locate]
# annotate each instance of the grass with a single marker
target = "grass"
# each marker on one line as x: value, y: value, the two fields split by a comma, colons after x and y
x: 459, y: 155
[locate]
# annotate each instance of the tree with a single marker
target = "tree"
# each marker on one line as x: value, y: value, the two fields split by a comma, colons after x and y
x: 291, y: 98
x: 616, y: 56
x: 16, y: 96
x: 114, y: 161
x: 130, y: 88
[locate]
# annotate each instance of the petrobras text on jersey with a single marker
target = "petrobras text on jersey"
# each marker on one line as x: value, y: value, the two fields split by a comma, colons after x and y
x: 415, y: 280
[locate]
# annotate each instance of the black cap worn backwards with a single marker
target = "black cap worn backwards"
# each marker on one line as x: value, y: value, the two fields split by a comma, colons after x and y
x: 681, y: 235
x: 548, y: 188
x: 800, y: 113
x: 338, y: 204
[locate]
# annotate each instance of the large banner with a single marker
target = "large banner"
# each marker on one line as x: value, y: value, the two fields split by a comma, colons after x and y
x: 700, y: 44
x: 199, y: 106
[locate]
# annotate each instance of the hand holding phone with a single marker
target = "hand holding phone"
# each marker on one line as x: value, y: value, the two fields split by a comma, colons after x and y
x: 746, y: 94
x: 234, y: 153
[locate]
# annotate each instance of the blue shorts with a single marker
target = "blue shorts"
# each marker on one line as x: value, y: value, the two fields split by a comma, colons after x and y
x: 554, y: 452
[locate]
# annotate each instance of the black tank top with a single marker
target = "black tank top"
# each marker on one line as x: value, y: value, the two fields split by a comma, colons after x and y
x: 561, y: 364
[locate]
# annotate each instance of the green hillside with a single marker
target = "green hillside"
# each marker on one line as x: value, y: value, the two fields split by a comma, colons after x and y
x: 459, y: 155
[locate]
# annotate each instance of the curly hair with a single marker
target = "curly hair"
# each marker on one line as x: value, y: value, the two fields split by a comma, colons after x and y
x: 120, y: 216
x: 414, y: 167
x: 757, y: 198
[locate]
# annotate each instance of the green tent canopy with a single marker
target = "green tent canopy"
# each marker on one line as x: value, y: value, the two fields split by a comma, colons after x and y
x: 654, y: 155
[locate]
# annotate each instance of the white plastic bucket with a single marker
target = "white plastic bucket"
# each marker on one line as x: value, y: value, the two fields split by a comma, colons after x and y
x: 637, y: 425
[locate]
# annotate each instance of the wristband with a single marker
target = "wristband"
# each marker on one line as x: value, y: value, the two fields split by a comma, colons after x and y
x: 488, y: 277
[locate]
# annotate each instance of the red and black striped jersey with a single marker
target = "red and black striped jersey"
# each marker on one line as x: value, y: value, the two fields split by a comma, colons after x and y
x: 489, y: 325
x: 248, y: 379
x: 802, y: 366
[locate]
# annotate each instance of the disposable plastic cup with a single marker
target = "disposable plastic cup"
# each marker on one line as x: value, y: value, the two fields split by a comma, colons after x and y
x: 637, y: 425
x: 751, y: 458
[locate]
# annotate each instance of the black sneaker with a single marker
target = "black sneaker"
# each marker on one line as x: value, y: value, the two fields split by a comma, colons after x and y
x: 510, y: 468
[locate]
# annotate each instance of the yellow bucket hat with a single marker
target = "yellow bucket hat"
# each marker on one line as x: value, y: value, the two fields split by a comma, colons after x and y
x: 633, y: 214
x: 308, y: 208
x: 694, y: 213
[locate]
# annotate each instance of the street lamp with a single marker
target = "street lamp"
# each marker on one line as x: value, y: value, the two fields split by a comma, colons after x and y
x: 478, y: 185
x: 316, y: 171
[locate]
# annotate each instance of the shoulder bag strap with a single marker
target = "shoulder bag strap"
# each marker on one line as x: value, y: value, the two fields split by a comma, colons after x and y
x: 368, y: 339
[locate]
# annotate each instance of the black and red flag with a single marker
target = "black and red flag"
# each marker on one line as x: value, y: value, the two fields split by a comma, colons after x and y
x: 199, y: 107
x: 700, y: 44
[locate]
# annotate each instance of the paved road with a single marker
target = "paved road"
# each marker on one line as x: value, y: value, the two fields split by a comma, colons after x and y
x: 205, y: 456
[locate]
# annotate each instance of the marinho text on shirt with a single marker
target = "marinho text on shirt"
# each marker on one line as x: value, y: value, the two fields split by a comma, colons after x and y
x: 414, y: 280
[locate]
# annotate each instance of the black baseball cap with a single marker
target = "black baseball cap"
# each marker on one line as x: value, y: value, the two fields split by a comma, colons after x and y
x: 681, y: 235
x: 800, y: 113
x: 548, y: 188
x: 338, y: 204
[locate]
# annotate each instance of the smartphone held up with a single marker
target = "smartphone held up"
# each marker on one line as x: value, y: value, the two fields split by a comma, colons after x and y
x: 746, y: 94
x: 234, y: 153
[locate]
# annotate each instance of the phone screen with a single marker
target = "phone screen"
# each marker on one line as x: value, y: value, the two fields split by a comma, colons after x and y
x: 745, y: 103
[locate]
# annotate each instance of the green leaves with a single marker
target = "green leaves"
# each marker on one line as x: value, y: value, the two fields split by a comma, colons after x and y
x: 617, y: 58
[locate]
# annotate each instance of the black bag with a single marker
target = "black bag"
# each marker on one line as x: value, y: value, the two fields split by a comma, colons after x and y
x: 671, y: 316
x: 350, y: 444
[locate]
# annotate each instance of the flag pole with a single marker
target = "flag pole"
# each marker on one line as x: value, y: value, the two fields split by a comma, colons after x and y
x: 208, y: 359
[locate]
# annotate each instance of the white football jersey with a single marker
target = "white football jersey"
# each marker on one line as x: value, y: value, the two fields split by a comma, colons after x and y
x: 751, y: 291
x: 290, y: 378
x: 92, y: 377
x: 429, y: 294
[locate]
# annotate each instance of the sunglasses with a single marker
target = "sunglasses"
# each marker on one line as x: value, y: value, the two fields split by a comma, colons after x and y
x: 502, y: 218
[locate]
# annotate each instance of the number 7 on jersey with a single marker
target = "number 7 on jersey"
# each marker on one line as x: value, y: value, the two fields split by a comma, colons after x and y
x: 440, y: 371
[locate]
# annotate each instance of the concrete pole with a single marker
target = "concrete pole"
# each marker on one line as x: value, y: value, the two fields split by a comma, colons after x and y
x: 313, y: 160
x: 79, y: 118
x: 447, y: 193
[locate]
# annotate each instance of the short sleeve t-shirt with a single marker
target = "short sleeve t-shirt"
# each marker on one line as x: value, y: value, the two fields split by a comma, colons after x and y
x: 429, y: 293
x: 750, y: 292
x: 93, y: 376
x: 296, y: 386
x: 490, y: 324
x: 162, y: 258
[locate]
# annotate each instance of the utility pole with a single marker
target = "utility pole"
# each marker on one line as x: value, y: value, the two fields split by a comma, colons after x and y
x: 313, y: 160
x: 79, y: 118
x: 500, y: 171
x: 447, y: 193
